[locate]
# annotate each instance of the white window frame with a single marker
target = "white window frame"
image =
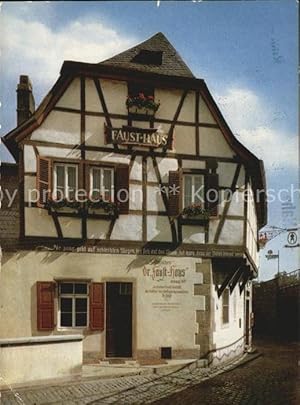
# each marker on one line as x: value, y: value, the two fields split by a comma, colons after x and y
x: 66, y: 186
x: 73, y: 296
x: 234, y: 304
x: 193, y: 187
x: 102, y: 190
x: 228, y: 307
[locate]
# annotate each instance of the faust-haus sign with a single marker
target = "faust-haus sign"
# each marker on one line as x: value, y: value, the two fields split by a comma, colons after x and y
x: 135, y: 136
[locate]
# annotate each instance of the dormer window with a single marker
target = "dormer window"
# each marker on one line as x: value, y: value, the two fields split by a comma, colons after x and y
x: 146, y: 57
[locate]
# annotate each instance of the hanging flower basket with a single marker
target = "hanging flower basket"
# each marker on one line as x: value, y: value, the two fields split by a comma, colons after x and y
x: 142, y: 104
x: 196, y: 211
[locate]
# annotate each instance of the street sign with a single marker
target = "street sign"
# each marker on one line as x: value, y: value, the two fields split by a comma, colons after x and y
x: 292, y: 238
x: 269, y: 257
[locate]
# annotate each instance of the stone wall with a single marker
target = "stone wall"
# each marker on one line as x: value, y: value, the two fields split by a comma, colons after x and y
x: 39, y: 358
x: 276, y: 308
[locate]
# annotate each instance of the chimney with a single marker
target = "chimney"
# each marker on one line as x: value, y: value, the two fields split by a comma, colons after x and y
x: 25, y: 100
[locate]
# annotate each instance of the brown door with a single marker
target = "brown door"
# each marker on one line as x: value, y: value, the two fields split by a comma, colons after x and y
x: 118, y: 319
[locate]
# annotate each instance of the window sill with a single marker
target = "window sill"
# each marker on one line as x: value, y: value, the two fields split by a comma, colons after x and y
x: 72, y: 329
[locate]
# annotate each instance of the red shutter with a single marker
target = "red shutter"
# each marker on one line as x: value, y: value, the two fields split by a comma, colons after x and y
x: 175, y: 193
x: 122, y: 189
x: 44, y: 180
x: 97, y: 306
x: 45, y: 305
x: 212, y: 193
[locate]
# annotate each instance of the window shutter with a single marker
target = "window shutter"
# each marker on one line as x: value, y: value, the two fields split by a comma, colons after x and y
x: 44, y: 180
x: 122, y: 188
x: 97, y: 306
x: 175, y: 193
x: 45, y: 305
x: 212, y: 193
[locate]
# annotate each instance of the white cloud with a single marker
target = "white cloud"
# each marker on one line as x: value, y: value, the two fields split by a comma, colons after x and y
x: 31, y: 47
x: 254, y: 124
x: 275, y: 148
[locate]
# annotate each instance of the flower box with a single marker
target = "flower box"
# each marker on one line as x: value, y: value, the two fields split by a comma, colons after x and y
x: 142, y: 105
x: 97, y: 207
x: 140, y: 111
x: 103, y: 207
x: 196, y: 211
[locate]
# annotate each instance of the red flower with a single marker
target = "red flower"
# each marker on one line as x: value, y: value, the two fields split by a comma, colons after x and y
x: 142, y: 96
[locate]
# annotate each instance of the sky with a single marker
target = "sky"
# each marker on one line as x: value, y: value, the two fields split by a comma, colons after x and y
x: 246, y: 51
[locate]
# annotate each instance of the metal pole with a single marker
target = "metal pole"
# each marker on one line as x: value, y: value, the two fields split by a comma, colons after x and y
x: 278, y: 263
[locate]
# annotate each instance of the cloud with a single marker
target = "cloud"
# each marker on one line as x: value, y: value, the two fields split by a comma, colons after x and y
x: 33, y: 48
x: 255, y: 125
x: 275, y: 148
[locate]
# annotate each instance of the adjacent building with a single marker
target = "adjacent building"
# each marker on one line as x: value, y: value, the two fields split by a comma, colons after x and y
x: 123, y: 228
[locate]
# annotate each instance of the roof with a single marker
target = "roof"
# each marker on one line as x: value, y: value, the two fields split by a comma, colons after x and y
x: 172, y: 64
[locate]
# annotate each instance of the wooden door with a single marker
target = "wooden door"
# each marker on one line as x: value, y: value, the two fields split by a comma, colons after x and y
x: 118, y: 319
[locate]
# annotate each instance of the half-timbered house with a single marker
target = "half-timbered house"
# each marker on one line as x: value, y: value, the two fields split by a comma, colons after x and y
x: 127, y: 232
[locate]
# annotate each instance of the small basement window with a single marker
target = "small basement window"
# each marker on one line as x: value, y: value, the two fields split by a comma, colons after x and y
x: 145, y: 57
x: 166, y: 352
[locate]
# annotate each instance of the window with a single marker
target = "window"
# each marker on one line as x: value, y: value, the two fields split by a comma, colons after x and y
x: 234, y: 304
x: 73, y: 304
x: 146, y: 57
x: 193, y: 189
x: 135, y: 89
x: 125, y: 289
x: 225, y: 306
x: 65, y: 181
x: 102, y: 183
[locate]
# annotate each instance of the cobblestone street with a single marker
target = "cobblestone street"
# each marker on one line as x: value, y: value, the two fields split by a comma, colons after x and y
x: 269, y: 379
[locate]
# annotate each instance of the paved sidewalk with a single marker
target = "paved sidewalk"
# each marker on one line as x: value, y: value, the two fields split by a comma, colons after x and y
x: 136, y: 389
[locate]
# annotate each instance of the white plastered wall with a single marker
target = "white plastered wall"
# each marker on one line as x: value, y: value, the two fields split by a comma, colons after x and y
x: 71, y: 96
x: 213, y: 143
x: 225, y: 334
x: 115, y: 94
x: 152, y: 310
x: 251, y: 240
x: 60, y: 127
